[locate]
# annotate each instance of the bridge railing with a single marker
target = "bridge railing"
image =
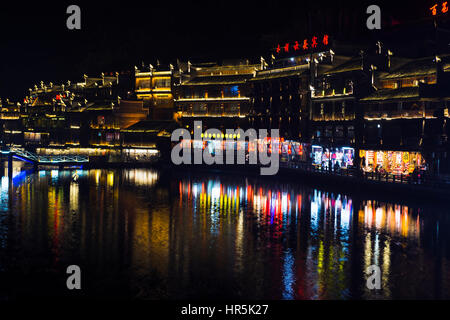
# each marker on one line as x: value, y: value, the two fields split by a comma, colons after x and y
x: 48, y: 159
x: 25, y: 154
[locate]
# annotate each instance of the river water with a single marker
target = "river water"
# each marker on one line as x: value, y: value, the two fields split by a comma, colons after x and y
x: 148, y: 234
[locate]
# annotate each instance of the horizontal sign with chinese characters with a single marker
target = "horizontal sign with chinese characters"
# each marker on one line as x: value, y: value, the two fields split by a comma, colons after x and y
x: 314, y: 43
x: 439, y: 8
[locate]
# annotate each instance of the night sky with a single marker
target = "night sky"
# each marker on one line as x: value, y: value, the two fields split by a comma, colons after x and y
x: 36, y: 45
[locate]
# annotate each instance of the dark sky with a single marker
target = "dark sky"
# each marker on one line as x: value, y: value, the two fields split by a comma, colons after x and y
x: 36, y: 45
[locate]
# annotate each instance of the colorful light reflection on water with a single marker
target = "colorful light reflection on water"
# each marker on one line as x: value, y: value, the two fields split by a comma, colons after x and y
x: 148, y: 234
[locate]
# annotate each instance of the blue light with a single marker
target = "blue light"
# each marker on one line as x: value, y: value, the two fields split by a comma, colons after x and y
x: 18, y: 178
x: 23, y: 159
x: 234, y: 90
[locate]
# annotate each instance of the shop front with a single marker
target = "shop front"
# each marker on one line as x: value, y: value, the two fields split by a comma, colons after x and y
x: 332, y: 158
x: 287, y: 149
x: 391, y: 162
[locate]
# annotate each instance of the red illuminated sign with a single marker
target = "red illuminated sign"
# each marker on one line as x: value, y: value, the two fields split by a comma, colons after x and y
x: 307, y: 44
x: 443, y: 7
x: 433, y: 10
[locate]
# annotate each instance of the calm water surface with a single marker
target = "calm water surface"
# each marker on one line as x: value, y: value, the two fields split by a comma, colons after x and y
x: 146, y: 234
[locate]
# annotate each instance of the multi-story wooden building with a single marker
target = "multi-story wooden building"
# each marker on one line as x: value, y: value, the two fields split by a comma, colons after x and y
x: 87, y: 117
x: 405, y: 119
x: 154, y: 87
x: 280, y: 96
x: 218, y: 95
x: 336, y: 118
x: 11, y: 128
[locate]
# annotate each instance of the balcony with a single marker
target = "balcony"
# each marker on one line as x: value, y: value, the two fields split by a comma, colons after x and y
x: 335, y: 117
x: 213, y: 99
x: 397, y: 114
x: 346, y: 91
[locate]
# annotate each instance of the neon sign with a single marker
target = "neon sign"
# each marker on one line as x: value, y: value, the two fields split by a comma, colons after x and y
x: 307, y: 44
x: 443, y: 8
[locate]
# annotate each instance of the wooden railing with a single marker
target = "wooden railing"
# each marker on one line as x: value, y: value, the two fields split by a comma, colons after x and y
x: 423, y: 178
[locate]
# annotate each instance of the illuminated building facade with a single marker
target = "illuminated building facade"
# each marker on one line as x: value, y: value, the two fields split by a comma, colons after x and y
x: 218, y: 95
x: 280, y: 97
x: 336, y: 105
x: 71, y: 113
x: 154, y: 87
x: 335, y: 115
x: 86, y: 118
x: 405, y: 119
x: 11, y: 129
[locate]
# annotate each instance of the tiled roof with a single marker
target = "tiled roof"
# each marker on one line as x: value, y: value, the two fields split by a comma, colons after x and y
x: 152, y: 126
x: 392, y: 94
x: 351, y: 65
x: 99, y: 107
x: 417, y: 67
x: 217, y: 80
x: 273, y: 74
